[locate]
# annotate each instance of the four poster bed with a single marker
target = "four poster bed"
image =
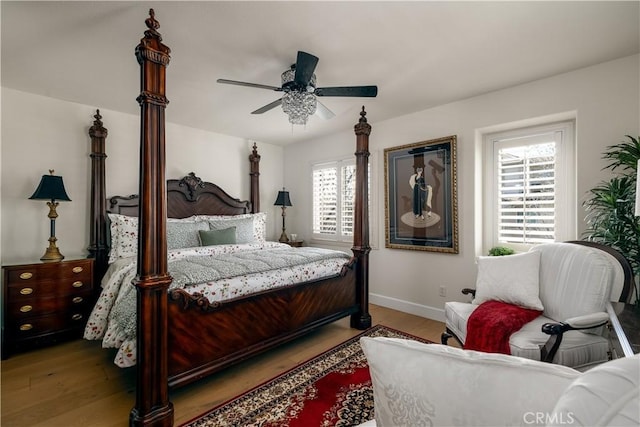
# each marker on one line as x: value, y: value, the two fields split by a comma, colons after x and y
x: 215, y: 320
x: 184, y: 332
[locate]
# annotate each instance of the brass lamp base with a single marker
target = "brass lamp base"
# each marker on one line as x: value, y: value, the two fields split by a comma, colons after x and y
x: 283, y: 236
x: 52, y: 254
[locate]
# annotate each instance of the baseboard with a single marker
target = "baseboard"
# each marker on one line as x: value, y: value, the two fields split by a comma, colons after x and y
x: 408, y: 307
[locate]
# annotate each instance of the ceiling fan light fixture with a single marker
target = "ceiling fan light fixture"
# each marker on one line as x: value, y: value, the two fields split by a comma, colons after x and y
x: 298, y: 104
x: 299, y: 99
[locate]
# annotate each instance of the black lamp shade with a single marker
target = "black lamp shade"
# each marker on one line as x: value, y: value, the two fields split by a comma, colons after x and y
x: 51, y: 188
x: 283, y: 199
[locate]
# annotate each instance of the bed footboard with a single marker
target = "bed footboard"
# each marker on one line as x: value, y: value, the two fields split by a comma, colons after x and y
x: 205, y: 338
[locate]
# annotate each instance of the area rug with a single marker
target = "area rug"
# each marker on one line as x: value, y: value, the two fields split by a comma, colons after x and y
x: 332, y: 389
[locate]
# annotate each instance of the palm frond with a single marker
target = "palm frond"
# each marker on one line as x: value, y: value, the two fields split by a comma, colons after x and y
x: 624, y: 155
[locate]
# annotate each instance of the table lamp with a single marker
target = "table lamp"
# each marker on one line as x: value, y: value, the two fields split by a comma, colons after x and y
x: 284, y: 201
x: 51, y: 188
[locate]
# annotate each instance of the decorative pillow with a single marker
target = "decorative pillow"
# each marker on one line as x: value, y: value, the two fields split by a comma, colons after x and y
x: 513, y: 279
x: 124, y: 236
x: 184, y: 234
x: 250, y: 228
x: 226, y: 236
x: 260, y: 226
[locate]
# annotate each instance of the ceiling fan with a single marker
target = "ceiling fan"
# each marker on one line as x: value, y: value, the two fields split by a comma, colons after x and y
x: 300, y: 91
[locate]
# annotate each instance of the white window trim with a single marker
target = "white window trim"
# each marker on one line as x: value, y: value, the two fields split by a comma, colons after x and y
x: 565, y: 177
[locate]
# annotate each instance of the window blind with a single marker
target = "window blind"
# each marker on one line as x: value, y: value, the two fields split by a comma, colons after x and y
x: 325, y: 200
x: 526, y: 193
x: 348, y: 195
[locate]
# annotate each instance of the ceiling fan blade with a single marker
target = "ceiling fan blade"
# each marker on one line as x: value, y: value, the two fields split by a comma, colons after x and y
x: 268, y: 107
x: 237, y: 83
x: 305, y: 66
x: 363, y: 91
x: 323, y: 111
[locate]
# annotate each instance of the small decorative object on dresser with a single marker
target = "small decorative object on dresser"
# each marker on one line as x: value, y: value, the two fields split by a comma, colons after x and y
x: 51, y: 188
x: 45, y: 302
x: 284, y: 201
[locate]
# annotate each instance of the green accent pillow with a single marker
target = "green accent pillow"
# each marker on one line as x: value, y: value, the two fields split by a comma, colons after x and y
x: 225, y: 236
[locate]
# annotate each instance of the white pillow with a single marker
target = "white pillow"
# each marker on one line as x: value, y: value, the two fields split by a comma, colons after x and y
x: 513, y: 279
x: 124, y: 236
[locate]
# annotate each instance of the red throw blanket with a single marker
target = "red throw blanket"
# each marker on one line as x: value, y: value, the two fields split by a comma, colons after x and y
x: 492, y: 323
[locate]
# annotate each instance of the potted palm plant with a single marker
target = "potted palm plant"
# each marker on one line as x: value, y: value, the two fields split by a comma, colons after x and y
x: 610, y: 206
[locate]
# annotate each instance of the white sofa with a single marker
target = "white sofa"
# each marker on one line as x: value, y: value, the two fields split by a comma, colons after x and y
x: 417, y: 384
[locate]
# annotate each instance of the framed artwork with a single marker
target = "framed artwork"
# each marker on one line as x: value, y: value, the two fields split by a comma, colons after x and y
x: 421, y: 207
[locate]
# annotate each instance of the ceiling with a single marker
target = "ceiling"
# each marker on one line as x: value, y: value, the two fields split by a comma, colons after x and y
x: 420, y: 54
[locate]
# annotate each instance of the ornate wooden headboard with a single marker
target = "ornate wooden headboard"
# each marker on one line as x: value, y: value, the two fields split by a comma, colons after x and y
x: 186, y: 197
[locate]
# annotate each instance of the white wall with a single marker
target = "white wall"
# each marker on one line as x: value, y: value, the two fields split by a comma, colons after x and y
x: 603, y: 98
x: 41, y: 133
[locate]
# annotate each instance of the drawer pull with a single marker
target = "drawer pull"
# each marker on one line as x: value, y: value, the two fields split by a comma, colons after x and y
x: 77, y: 300
x: 77, y: 284
x: 26, y: 276
x: 26, y: 308
x: 77, y: 269
x: 26, y: 291
x: 26, y: 327
x: 76, y: 316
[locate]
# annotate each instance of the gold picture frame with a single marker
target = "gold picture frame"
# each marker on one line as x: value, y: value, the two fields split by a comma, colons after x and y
x: 421, y: 207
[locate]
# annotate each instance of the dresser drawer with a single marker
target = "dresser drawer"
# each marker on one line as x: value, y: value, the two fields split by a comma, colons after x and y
x: 41, y: 325
x: 39, y: 306
x: 77, y: 270
x: 48, y: 288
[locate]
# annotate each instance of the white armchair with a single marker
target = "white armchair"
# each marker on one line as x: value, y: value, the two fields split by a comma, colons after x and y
x: 417, y: 384
x: 574, y: 282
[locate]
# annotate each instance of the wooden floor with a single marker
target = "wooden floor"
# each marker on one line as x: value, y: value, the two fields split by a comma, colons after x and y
x: 77, y: 384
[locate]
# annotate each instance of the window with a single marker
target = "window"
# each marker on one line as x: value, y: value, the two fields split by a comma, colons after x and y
x: 530, y: 196
x: 333, y: 204
x: 334, y: 189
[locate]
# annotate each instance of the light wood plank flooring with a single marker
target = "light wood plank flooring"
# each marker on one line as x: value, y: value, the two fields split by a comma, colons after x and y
x: 77, y: 384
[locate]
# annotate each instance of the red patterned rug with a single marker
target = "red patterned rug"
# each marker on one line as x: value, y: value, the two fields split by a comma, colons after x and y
x: 332, y: 389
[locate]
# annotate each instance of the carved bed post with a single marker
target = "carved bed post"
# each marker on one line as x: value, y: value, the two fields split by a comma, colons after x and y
x: 361, y: 248
x: 152, y: 281
x: 254, y: 158
x: 98, y: 245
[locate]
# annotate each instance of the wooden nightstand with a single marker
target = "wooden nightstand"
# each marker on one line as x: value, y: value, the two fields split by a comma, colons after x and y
x: 295, y: 243
x: 45, y: 302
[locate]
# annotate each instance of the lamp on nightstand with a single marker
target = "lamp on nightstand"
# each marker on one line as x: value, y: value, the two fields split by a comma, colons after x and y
x: 51, y: 188
x: 284, y: 201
